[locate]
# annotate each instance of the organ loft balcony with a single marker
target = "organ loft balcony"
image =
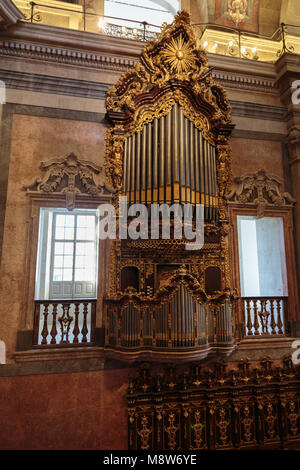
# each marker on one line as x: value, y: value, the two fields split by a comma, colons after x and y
x: 112, y: 19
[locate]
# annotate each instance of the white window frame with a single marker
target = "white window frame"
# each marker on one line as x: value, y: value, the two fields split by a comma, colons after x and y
x: 45, y: 262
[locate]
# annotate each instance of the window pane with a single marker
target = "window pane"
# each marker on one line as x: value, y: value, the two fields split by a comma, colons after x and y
x: 69, y: 233
x: 81, y: 233
x: 69, y: 220
x: 63, y: 248
x: 262, y: 257
x: 86, y: 249
x: 80, y: 262
x: 81, y: 248
x: 58, y: 261
x: 85, y: 233
x: 81, y: 221
x: 67, y: 275
x: 59, y: 248
x: 90, y: 251
x: 80, y: 275
x: 57, y: 275
x: 90, y: 273
x: 61, y: 258
x: 60, y: 220
x: 85, y: 275
x: 68, y: 248
x: 90, y: 222
x: 68, y: 261
x: 59, y: 233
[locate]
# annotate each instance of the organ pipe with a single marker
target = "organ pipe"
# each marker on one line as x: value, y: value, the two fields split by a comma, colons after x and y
x: 155, y: 161
x: 170, y: 161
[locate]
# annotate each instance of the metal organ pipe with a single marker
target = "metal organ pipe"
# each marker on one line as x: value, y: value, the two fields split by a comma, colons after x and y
x: 181, y: 157
x: 128, y: 172
x: 125, y: 165
x: 149, y: 163
x: 170, y: 161
x: 169, y: 175
x: 187, y: 162
x: 163, y: 159
x: 155, y: 161
x: 191, y: 157
x: 138, y: 168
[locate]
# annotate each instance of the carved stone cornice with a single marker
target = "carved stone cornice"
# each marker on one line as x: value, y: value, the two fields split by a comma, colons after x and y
x: 261, y: 190
x: 244, y: 82
x: 65, y: 56
x: 93, y: 50
x: 9, y: 14
x: 69, y: 176
x: 49, y: 53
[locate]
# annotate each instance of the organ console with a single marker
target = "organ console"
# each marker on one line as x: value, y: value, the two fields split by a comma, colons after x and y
x: 168, y: 143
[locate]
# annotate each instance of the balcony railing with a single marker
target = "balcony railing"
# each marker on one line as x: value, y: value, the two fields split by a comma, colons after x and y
x: 265, y: 316
x: 213, y: 38
x: 65, y: 323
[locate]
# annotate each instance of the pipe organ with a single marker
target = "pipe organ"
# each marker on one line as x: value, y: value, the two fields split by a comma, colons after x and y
x: 169, y: 161
x: 168, y: 143
x: 177, y: 322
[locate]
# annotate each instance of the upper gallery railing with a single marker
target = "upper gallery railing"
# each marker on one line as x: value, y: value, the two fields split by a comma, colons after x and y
x: 65, y: 323
x: 213, y: 38
x: 265, y: 316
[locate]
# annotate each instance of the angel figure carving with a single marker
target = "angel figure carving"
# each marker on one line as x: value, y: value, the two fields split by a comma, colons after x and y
x: 237, y: 9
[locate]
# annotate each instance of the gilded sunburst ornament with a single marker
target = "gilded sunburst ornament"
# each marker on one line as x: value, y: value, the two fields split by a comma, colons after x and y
x: 179, y: 55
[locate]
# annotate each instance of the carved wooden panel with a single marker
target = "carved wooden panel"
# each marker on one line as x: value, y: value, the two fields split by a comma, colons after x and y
x: 189, y: 408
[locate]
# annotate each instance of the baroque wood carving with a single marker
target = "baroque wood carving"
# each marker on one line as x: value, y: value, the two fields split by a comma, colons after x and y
x: 69, y: 176
x: 261, y: 190
x: 171, y: 69
x: 195, y: 407
x: 169, y: 99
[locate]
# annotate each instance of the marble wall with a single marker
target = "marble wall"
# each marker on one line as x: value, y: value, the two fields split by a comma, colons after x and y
x: 64, y: 411
x: 250, y: 155
x: 34, y: 139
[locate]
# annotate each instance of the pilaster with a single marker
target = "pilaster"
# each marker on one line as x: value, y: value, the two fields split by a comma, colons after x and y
x: 288, y: 72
